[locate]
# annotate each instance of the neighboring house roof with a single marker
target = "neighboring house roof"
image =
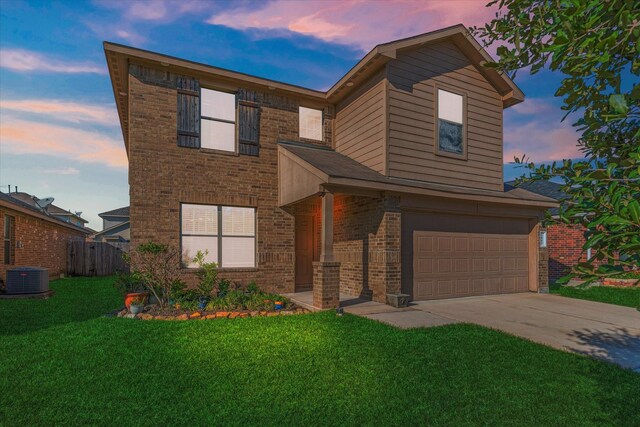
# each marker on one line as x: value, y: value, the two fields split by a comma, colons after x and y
x: 51, y: 209
x: 119, y: 56
x: 113, y: 229
x: 328, y: 168
x: 33, y: 210
x: 124, y: 212
x: 544, y: 188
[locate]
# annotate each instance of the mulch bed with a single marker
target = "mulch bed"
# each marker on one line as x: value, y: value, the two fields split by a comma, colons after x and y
x: 153, y: 312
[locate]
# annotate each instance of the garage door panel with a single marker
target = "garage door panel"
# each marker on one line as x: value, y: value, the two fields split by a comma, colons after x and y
x: 452, y: 264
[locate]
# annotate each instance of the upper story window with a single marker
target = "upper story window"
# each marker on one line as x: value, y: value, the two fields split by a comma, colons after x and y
x: 450, y: 126
x: 218, y: 120
x: 310, y: 123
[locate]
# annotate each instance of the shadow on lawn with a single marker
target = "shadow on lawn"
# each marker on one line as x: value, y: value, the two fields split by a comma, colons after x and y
x: 74, y: 300
x: 616, y: 345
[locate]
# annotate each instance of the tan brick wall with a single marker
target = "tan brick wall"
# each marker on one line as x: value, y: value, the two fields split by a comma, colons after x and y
x: 367, y: 245
x: 326, y: 287
x: 43, y: 243
x: 162, y: 175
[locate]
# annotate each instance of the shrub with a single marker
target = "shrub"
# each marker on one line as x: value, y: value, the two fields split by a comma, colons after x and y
x: 207, y: 273
x: 159, y: 267
x: 223, y: 287
x: 127, y: 283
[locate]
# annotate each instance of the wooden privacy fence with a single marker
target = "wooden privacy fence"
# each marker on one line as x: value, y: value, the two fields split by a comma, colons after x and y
x: 94, y: 259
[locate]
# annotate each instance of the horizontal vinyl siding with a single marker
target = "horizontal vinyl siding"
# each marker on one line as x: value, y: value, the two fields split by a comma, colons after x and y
x: 360, y: 125
x: 413, y: 77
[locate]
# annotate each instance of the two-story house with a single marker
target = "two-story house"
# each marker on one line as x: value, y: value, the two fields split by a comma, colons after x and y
x: 115, y: 226
x: 391, y: 181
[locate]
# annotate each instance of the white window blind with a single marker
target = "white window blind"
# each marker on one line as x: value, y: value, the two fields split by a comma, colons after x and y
x: 218, y: 118
x: 310, y: 123
x: 230, y: 242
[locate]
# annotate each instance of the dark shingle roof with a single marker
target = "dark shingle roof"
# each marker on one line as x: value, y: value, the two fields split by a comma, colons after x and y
x: 33, y: 207
x: 116, y: 212
x: 338, y: 165
x: 544, y: 188
x: 51, y: 209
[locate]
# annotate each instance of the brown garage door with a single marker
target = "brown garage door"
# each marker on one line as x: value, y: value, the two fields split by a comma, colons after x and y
x: 458, y: 256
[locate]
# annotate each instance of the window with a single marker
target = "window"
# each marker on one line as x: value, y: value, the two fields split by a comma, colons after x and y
x: 543, y: 238
x: 218, y: 124
x: 450, y: 123
x: 227, y: 233
x: 9, y: 238
x: 310, y: 123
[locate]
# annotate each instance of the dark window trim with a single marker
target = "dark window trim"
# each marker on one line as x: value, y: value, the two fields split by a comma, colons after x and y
x: 436, y: 127
x: 219, y: 235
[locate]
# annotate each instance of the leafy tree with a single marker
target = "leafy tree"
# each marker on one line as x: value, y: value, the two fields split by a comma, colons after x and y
x: 594, y: 44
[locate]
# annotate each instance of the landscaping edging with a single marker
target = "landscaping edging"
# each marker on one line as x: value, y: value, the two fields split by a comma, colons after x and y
x: 197, y: 315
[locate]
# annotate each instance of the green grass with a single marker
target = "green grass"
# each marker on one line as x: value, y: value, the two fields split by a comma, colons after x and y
x: 628, y: 297
x: 62, y: 363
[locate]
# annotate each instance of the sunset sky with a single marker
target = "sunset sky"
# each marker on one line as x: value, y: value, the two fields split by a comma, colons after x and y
x: 59, y: 130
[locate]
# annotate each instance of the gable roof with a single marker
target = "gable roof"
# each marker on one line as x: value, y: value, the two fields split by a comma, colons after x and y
x: 51, y: 209
x: 119, y: 56
x: 543, y: 187
x: 114, y: 228
x: 124, y: 211
x: 28, y: 208
x: 333, y: 168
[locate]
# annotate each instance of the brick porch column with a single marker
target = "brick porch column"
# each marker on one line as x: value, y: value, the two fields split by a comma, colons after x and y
x: 326, y: 273
x: 326, y: 285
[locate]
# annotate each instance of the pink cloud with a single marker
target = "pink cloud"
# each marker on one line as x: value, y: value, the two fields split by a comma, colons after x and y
x: 28, y: 137
x: 541, y: 141
x: 356, y: 22
x: 62, y: 110
x: 65, y: 171
x: 24, y: 60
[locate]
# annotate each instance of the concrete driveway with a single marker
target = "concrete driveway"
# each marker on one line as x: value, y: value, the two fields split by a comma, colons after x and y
x: 604, y: 331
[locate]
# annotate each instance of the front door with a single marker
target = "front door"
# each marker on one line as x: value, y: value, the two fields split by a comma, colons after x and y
x: 304, y: 253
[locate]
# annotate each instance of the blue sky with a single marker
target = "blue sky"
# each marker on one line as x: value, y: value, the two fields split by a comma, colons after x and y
x: 59, y: 133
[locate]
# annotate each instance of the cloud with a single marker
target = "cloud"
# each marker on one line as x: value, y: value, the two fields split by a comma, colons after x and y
x: 356, y: 22
x: 157, y: 10
x: 65, y: 171
x: 63, y: 110
x: 29, y: 137
x: 532, y: 106
x: 24, y: 60
x: 541, y: 141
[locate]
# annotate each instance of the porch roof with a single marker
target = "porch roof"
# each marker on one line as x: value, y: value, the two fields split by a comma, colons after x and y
x: 306, y: 170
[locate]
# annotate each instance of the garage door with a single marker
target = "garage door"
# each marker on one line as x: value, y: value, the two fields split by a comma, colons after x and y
x: 458, y: 261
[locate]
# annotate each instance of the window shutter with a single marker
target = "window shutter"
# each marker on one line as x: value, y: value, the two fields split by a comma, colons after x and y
x: 249, y: 128
x: 188, y: 112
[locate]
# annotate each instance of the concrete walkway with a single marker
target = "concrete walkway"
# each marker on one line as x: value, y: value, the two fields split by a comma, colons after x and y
x: 604, y: 331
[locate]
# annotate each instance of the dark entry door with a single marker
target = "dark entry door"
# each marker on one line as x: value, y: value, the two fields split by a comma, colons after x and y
x: 304, y: 252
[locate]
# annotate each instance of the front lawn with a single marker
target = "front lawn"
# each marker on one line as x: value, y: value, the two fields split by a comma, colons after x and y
x: 61, y: 362
x: 628, y: 297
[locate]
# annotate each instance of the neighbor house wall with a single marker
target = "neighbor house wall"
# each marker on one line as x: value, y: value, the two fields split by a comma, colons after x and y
x: 163, y: 175
x: 413, y: 80
x: 37, y: 243
x: 564, y: 245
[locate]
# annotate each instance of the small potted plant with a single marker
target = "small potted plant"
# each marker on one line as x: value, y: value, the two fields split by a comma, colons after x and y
x: 137, y: 305
x: 131, y: 286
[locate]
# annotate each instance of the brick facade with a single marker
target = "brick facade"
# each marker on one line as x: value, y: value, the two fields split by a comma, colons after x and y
x: 543, y: 266
x: 326, y: 288
x: 367, y: 245
x: 163, y: 175
x: 564, y: 244
x: 37, y: 242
